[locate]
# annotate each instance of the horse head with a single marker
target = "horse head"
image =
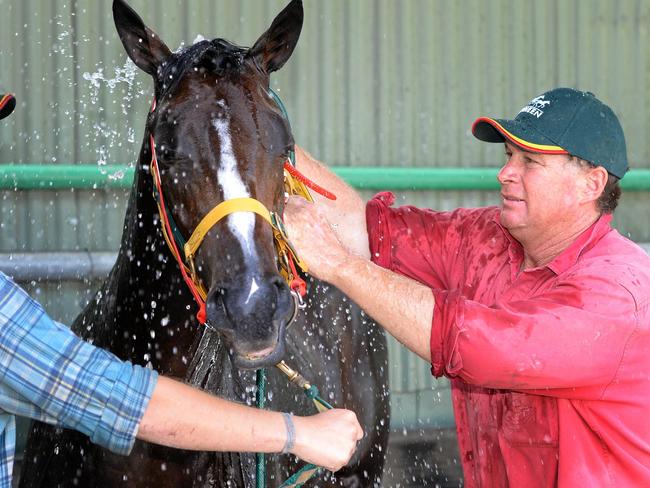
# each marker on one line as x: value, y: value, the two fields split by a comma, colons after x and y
x: 218, y: 136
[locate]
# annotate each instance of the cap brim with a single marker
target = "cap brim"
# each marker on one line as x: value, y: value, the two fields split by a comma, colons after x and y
x: 7, y: 105
x: 527, y: 138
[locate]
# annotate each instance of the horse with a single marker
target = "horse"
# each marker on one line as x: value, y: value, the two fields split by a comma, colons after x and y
x: 215, y: 134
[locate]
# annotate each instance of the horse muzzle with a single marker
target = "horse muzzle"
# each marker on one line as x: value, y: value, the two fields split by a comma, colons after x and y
x: 252, y: 314
x: 262, y: 358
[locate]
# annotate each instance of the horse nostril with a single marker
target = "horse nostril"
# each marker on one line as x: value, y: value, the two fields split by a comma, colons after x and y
x: 279, y: 283
x: 281, y: 287
x: 216, y: 305
x: 283, y: 303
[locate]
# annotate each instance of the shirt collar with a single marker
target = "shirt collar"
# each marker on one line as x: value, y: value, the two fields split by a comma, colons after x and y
x: 569, y: 257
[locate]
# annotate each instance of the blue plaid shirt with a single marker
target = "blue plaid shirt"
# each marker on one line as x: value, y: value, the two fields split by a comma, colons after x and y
x: 50, y: 374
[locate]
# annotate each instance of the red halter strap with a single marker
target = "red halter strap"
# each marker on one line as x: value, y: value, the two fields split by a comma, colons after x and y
x: 198, y: 293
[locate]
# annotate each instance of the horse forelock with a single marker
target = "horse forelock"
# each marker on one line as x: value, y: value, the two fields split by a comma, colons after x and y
x: 218, y: 57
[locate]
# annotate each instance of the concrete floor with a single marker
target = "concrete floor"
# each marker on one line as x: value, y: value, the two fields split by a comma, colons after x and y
x: 424, y: 458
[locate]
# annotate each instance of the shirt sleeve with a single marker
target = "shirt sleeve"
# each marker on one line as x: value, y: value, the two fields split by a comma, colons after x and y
x: 423, y: 244
x: 569, y: 341
x: 49, y: 373
x: 406, y: 239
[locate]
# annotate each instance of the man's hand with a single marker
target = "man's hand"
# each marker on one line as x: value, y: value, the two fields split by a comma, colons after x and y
x: 347, y: 213
x: 314, y: 239
x: 328, y: 439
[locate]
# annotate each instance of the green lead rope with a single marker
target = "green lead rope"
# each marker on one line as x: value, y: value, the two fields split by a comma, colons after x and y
x: 260, y: 465
x: 301, y: 477
x: 306, y: 472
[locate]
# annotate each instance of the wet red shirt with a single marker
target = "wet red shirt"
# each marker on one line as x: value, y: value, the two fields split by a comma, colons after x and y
x: 549, y: 367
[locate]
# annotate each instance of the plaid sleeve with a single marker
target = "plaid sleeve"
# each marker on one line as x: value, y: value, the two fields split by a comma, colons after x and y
x: 65, y: 379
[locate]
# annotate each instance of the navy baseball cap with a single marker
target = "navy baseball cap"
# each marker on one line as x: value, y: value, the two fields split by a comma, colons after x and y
x: 563, y: 121
x: 7, y: 105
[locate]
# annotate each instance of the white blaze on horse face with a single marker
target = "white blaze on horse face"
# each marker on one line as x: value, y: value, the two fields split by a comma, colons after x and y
x: 241, y: 224
x: 251, y: 292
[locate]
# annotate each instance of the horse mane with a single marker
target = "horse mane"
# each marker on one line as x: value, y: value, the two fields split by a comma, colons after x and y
x: 217, y: 56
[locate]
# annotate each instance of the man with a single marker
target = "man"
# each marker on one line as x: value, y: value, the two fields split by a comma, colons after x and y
x: 537, y: 311
x: 50, y: 374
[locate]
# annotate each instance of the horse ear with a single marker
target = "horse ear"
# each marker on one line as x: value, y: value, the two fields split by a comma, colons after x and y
x: 276, y: 45
x: 142, y: 45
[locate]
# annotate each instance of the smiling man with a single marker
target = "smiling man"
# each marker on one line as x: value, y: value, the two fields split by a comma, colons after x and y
x: 537, y: 310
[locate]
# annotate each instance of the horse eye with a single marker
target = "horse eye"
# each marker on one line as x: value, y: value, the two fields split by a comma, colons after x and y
x: 167, y: 155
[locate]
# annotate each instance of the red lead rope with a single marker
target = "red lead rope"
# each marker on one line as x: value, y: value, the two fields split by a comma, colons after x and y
x: 307, y: 182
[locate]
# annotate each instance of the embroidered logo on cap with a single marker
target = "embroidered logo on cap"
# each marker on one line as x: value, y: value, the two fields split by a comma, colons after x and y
x: 535, y: 106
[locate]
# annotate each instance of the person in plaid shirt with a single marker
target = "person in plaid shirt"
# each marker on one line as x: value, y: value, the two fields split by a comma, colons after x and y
x: 50, y: 374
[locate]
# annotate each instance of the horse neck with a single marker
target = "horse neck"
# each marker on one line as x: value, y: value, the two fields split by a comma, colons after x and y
x: 144, y: 256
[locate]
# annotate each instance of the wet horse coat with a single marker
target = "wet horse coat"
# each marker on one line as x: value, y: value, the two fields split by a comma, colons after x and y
x: 218, y: 135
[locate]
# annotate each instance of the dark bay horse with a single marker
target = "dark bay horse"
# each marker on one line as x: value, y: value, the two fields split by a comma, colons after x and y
x: 217, y: 136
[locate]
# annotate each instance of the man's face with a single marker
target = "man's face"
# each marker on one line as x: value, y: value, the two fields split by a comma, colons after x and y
x: 540, y: 193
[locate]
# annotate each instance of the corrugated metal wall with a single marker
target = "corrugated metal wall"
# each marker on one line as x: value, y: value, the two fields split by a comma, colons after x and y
x: 373, y: 82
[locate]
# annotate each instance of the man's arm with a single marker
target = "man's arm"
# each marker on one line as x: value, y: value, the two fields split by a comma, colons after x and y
x: 402, y: 306
x: 346, y: 214
x: 328, y: 439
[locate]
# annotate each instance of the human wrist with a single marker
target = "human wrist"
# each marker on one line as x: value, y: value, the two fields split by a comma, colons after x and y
x: 290, y: 433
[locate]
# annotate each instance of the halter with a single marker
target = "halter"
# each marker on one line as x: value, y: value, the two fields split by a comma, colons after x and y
x: 294, y: 184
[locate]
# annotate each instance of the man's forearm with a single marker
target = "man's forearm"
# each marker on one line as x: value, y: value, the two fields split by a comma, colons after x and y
x: 402, y: 306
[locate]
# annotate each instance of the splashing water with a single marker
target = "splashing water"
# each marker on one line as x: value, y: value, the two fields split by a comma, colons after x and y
x: 123, y: 74
x: 102, y: 85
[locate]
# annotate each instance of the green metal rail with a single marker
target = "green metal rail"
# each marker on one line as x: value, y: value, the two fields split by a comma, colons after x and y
x: 90, y: 176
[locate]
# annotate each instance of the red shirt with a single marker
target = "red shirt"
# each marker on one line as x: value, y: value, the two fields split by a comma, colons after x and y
x: 549, y: 367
